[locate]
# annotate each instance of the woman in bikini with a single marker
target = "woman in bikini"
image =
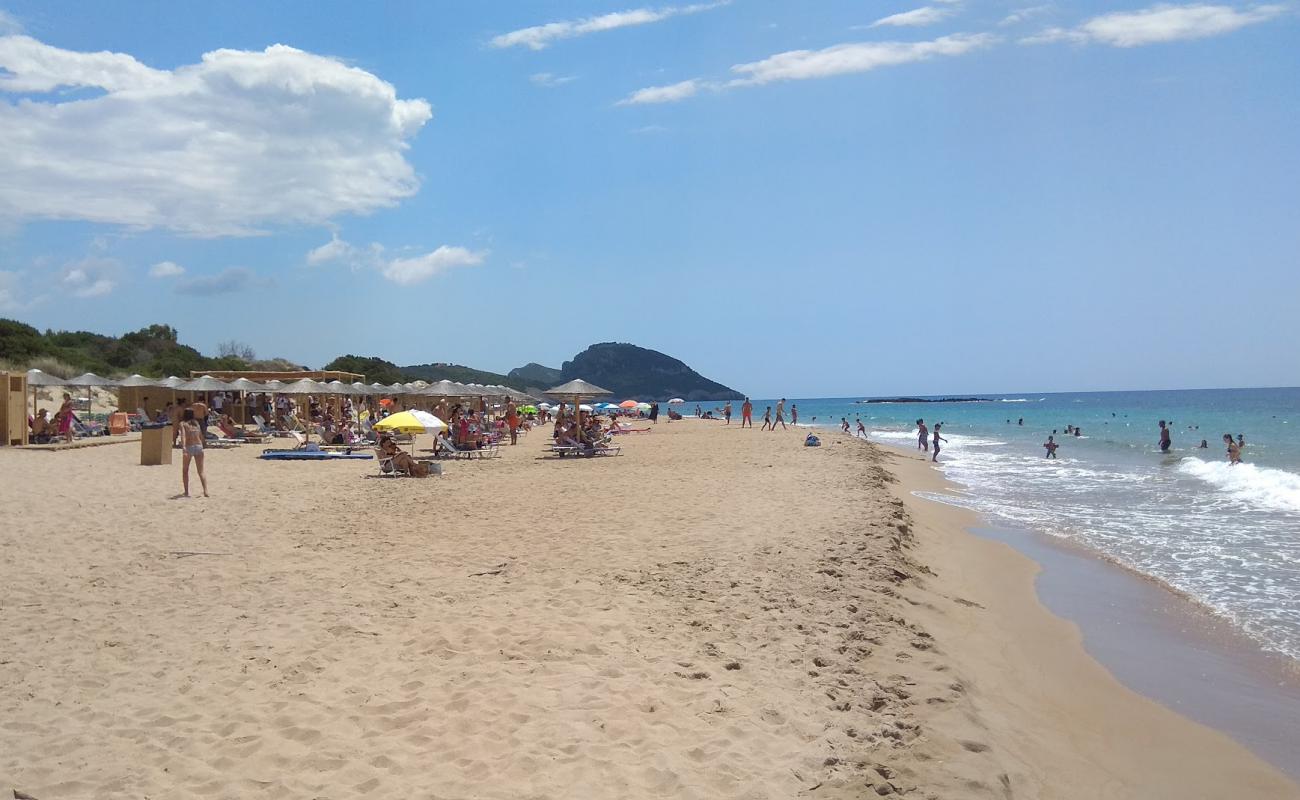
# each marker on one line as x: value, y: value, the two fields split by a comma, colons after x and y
x: 191, y: 437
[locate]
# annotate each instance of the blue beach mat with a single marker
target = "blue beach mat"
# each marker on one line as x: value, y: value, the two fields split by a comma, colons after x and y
x: 312, y: 455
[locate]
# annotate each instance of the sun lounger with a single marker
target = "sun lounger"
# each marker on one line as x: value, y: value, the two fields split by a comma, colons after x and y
x: 446, y: 449
x: 312, y: 455
x: 568, y: 448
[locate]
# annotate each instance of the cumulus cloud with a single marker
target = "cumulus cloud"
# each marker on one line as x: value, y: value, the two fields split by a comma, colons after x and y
x: 402, y: 269
x: 1022, y: 14
x: 925, y: 15
x: 1158, y: 24
x: 549, y: 81
x: 540, y: 36
x: 166, y: 269
x: 663, y: 94
x: 90, y: 277
x: 416, y: 269
x: 237, y: 142
x: 334, y: 250
x: 228, y: 281
x: 798, y: 65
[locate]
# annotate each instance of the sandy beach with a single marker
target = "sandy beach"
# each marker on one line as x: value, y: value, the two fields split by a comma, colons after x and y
x: 715, y: 613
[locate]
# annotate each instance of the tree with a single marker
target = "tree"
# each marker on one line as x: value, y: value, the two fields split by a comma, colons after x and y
x: 234, y: 349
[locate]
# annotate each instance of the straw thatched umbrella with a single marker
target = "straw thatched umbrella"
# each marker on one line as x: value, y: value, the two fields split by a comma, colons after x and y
x: 577, y: 389
x: 36, y: 379
x: 90, y: 380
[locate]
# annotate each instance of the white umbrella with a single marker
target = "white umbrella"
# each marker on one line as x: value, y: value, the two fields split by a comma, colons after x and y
x: 676, y: 401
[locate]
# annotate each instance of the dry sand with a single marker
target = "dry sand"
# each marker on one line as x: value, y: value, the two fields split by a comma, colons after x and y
x: 716, y: 613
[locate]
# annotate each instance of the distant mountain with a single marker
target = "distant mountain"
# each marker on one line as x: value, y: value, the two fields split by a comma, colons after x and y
x: 631, y: 371
x: 535, y: 374
x: 455, y: 372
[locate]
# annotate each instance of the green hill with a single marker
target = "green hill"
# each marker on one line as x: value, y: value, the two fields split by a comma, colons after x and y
x: 631, y: 371
x: 535, y: 374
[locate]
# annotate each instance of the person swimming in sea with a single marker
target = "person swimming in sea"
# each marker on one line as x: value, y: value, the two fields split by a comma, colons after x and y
x: 1234, y: 450
x: 1051, y: 446
x: 1166, y: 440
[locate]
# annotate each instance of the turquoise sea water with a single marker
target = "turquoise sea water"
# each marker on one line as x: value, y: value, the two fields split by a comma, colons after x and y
x: 1228, y: 537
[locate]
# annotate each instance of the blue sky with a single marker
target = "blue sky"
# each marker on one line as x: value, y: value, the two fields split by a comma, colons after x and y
x: 834, y: 199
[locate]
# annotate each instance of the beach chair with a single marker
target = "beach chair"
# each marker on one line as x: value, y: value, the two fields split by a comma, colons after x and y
x: 387, y: 469
x: 267, y: 430
x: 448, y: 450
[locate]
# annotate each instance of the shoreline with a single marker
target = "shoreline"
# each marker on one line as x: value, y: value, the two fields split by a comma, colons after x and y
x: 710, y: 614
x: 966, y: 531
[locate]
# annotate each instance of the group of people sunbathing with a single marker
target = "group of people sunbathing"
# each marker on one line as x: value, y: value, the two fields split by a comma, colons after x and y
x: 583, y: 433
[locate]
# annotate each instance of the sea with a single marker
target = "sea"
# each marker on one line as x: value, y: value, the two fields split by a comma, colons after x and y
x: 1226, y: 537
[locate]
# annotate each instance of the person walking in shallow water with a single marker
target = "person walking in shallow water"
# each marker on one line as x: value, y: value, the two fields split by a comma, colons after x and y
x: 1051, y: 446
x: 923, y: 436
x: 1234, y: 450
x: 1166, y: 440
x: 937, y: 439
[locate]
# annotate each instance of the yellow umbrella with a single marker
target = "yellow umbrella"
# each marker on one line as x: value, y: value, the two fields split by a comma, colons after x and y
x: 411, y: 422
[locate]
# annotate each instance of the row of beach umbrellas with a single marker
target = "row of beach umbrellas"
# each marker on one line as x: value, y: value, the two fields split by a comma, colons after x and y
x: 207, y: 383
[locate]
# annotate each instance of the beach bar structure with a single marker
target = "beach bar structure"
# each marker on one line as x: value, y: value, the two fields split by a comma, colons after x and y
x: 13, y: 409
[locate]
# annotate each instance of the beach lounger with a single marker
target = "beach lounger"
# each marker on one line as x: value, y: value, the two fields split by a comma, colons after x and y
x: 563, y: 450
x: 312, y: 455
x: 448, y: 450
x: 267, y: 430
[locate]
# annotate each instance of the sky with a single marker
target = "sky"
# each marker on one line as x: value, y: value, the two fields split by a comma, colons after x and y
x: 838, y: 199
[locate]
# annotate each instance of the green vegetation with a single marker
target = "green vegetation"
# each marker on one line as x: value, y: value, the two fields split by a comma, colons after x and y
x: 631, y: 371
x: 153, y: 351
x: 535, y: 374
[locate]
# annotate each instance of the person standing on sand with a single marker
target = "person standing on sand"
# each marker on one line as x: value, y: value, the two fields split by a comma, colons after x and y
x: 844, y: 424
x: 1051, y: 446
x: 64, y: 418
x: 654, y: 413
x: 923, y: 436
x: 794, y: 415
x: 1234, y: 450
x: 767, y: 420
x: 746, y: 413
x: 512, y: 421
x: 780, y: 414
x: 1166, y: 440
x: 726, y: 412
x: 937, y: 439
x: 191, y: 449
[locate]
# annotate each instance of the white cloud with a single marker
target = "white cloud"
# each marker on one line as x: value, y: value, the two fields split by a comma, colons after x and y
x: 539, y: 36
x: 1022, y: 14
x: 403, y: 270
x: 1158, y: 24
x: 334, y: 250
x: 9, y: 23
x: 407, y: 271
x: 548, y: 81
x: 90, y: 277
x: 662, y: 94
x: 926, y: 15
x: 239, y: 141
x: 166, y: 269
x: 797, y: 65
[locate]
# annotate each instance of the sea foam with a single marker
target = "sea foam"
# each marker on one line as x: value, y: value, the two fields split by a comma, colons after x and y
x: 1263, y: 486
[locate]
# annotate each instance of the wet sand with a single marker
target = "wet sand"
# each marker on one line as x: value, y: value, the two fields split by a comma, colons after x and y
x: 714, y: 613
